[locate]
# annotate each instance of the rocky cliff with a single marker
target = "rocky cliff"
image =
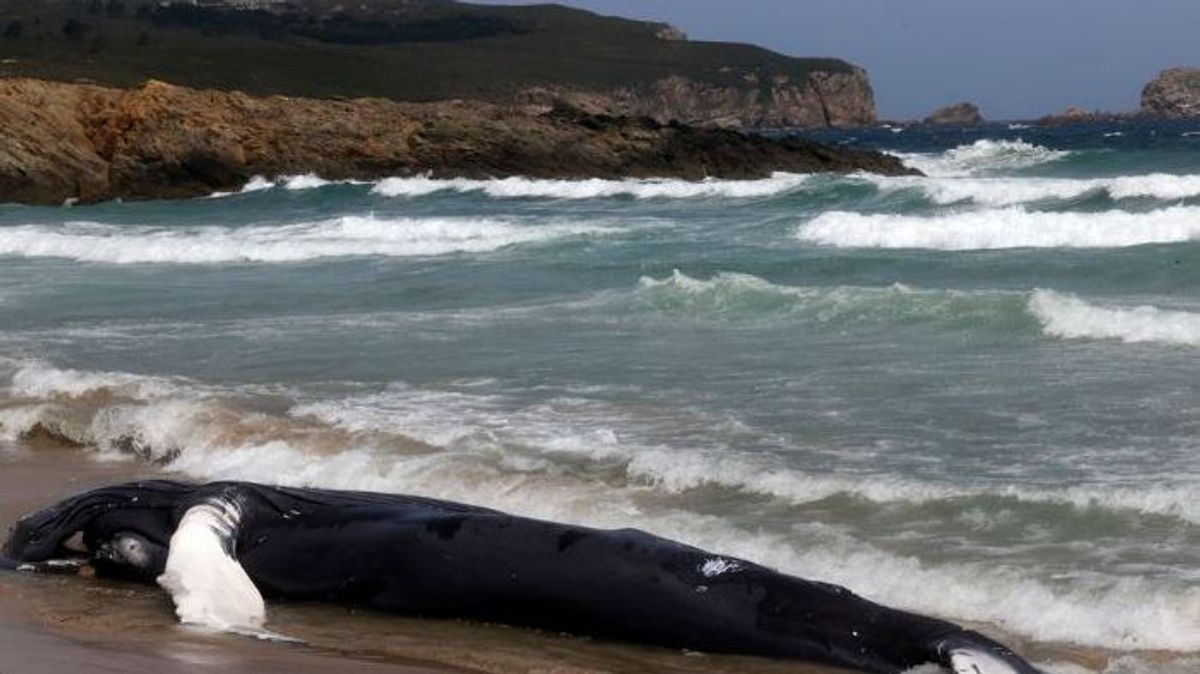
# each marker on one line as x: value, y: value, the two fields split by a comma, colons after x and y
x: 71, y: 141
x: 1174, y: 93
x: 822, y: 99
x: 432, y: 51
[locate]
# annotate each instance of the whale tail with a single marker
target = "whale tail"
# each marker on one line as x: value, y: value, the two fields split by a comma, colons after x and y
x: 971, y: 653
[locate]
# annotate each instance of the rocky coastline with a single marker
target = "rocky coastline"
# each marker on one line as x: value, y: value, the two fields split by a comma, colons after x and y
x: 87, y: 143
x: 1174, y: 94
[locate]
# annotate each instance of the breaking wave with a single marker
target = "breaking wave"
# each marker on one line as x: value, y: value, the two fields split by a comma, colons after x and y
x: 344, y: 236
x: 467, y: 447
x: 1007, y: 191
x: 594, y: 188
x: 983, y: 156
x: 294, y: 183
x: 1004, y: 228
x: 1069, y: 317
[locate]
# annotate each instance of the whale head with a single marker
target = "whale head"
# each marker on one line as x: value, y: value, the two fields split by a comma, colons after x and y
x: 40, y: 535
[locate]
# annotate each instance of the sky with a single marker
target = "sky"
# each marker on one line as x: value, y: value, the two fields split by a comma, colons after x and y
x: 1016, y: 59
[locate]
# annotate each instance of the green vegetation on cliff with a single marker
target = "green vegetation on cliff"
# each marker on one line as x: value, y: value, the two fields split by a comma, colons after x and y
x: 415, y: 50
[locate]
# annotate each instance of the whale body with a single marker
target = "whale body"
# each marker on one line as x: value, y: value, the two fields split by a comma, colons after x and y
x: 221, y: 549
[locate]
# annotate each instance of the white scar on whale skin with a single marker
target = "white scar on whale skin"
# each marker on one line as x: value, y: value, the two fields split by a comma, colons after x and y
x: 978, y: 661
x: 209, y: 587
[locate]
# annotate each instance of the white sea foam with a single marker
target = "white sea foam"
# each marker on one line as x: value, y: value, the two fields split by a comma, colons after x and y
x: 1004, y: 228
x: 594, y: 188
x: 257, y: 184
x: 339, y: 237
x: 159, y: 417
x: 1008, y: 191
x: 1070, y: 317
x: 482, y: 464
x: 983, y: 156
x: 37, y: 379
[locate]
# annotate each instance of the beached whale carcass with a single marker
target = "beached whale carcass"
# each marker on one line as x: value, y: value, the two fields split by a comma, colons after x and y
x: 220, y: 548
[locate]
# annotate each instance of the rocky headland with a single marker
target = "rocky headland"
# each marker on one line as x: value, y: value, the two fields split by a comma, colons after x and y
x: 91, y: 143
x: 1175, y: 93
x: 431, y: 50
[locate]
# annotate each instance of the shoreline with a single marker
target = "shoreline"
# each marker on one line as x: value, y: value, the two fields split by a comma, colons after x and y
x: 55, y: 622
x: 91, y: 143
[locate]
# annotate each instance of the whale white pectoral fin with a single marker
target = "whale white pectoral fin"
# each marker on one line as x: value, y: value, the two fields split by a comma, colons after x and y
x: 209, y: 587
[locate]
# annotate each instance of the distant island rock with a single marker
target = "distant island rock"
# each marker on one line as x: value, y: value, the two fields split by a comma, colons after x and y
x: 959, y: 114
x: 91, y: 143
x: 1078, y: 115
x: 431, y: 50
x: 1175, y: 93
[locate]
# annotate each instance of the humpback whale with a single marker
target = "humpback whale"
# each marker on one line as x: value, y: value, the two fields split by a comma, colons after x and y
x: 222, y: 548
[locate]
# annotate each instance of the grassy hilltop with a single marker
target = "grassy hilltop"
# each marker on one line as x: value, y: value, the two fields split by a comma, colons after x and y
x: 417, y: 50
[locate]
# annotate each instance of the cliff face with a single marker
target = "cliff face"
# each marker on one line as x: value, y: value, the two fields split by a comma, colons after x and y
x: 432, y: 51
x: 822, y: 99
x: 69, y: 141
x: 1174, y: 93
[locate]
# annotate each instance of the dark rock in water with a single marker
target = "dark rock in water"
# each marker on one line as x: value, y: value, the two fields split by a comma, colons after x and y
x: 1175, y: 93
x: 91, y: 143
x: 1077, y: 115
x: 959, y: 114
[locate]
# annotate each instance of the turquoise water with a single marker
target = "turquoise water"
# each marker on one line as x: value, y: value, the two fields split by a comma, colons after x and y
x: 972, y: 394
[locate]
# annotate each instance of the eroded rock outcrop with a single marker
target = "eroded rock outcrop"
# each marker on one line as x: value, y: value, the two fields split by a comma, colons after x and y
x: 70, y: 141
x: 822, y: 99
x: 1175, y: 93
x: 959, y: 114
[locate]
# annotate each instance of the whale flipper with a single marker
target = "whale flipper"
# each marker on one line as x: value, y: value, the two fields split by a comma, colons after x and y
x: 208, y: 585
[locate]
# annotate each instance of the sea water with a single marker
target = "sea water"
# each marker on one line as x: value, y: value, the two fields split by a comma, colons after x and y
x: 974, y: 394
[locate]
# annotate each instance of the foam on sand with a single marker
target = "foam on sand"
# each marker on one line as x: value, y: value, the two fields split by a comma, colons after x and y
x: 1004, y: 228
x: 351, y: 235
x: 1070, y: 317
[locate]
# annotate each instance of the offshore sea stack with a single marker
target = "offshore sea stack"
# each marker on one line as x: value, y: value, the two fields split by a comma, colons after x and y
x: 91, y: 143
x: 1175, y: 93
x: 959, y: 114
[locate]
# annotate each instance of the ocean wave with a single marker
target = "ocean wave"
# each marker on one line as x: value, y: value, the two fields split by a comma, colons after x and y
x: 983, y: 156
x: 513, y: 188
x: 1003, y: 228
x: 998, y: 192
x: 742, y: 297
x: 351, y: 443
x: 1069, y: 317
x: 294, y: 183
x: 338, y: 237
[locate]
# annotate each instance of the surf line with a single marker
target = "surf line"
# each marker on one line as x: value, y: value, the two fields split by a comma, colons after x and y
x: 220, y: 548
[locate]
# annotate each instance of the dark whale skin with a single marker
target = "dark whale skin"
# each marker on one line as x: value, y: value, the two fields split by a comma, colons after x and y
x: 438, y: 559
